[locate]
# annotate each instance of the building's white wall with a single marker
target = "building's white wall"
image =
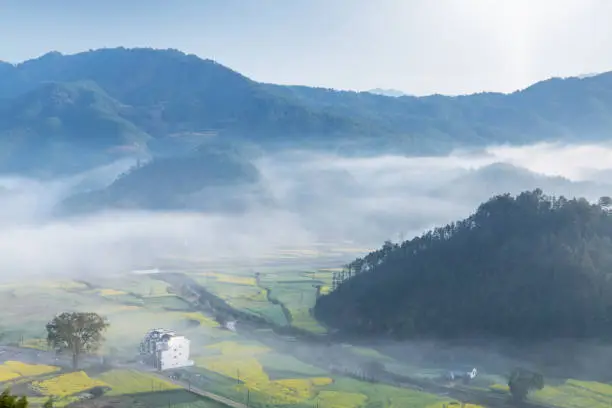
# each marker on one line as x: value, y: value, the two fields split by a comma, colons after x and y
x: 176, y: 354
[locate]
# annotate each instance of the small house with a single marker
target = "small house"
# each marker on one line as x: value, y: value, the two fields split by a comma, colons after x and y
x: 164, y: 349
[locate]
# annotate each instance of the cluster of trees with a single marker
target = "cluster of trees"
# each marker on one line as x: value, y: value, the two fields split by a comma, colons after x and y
x: 530, y: 266
x: 522, y: 381
x: 9, y: 400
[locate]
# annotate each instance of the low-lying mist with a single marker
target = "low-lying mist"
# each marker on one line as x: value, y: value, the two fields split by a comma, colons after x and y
x: 358, y: 202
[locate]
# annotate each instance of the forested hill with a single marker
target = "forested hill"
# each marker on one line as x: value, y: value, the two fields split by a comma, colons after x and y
x: 524, y: 267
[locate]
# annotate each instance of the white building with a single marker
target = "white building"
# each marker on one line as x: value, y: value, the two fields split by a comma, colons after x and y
x: 165, y: 350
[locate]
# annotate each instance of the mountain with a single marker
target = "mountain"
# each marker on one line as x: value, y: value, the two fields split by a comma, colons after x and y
x: 215, y: 177
x: 497, y: 178
x: 394, y: 93
x: 165, y: 102
x: 522, y: 267
x: 65, y: 127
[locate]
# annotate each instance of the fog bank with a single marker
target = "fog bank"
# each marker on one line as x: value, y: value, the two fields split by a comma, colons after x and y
x: 356, y: 202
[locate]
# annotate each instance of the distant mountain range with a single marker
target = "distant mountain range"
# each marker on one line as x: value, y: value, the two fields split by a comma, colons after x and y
x: 65, y: 113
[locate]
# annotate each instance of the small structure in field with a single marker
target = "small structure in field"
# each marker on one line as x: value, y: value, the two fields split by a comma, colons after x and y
x: 164, y: 350
x: 464, y: 375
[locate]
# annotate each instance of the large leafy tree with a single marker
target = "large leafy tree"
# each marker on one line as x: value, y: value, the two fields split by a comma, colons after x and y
x: 7, y: 400
x: 522, y: 381
x: 77, y: 333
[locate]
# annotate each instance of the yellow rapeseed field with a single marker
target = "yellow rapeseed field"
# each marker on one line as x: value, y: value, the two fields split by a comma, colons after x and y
x: 499, y: 388
x: 201, y: 318
x: 132, y: 382
x: 227, y: 278
x: 111, y: 292
x: 67, y: 384
x: 236, y: 362
x: 246, y: 369
x: 237, y: 280
x: 11, y: 370
x: 6, y: 374
x: 30, y: 370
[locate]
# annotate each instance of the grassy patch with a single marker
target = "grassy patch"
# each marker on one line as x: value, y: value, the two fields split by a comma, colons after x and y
x: 132, y: 382
x: 170, y: 302
x: 302, y: 319
x: 368, y: 352
x: 37, y: 344
x: 233, y: 348
x: 380, y: 395
x: 211, y: 277
x: 177, y: 398
x: 66, y: 384
x: 575, y: 393
x: 111, y: 292
x: 339, y: 399
x: 145, y: 286
x: 286, y: 364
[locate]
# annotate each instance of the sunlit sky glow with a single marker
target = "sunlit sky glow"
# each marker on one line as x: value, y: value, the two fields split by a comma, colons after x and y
x: 416, y: 46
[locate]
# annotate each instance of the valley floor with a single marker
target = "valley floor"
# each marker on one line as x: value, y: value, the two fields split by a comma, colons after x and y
x: 279, y: 356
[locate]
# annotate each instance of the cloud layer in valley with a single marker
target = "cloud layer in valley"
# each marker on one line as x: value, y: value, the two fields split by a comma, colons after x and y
x: 352, y: 202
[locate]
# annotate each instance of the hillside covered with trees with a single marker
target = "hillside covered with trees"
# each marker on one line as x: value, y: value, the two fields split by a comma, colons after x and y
x: 216, y: 176
x: 524, y: 267
x: 65, y: 113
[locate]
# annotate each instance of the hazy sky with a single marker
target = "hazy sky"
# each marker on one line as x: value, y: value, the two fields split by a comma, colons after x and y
x: 417, y: 46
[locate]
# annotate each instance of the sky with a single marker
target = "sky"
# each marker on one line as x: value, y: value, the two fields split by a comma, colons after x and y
x: 416, y: 46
